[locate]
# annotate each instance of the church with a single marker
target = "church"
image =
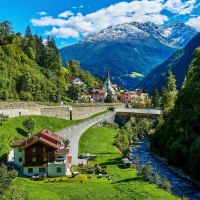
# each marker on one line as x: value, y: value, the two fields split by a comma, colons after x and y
x: 107, y: 84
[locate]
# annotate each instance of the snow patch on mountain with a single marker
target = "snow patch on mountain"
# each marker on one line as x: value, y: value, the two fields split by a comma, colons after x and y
x: 175, y: 34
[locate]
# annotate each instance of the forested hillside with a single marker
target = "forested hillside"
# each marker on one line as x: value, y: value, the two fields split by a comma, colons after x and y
x: 120, y: 57
x: 178, y: 137
x: 31, y: 69
x: 178, y: 63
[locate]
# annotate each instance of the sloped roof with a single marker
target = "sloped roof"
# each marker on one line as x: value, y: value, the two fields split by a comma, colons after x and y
x: 111, y: 90
x: 50, y: 134
x: 43, y: 136
x: 17, y: 143
x: 100, y: 91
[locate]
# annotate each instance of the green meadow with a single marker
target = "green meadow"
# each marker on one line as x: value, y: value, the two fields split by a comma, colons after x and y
x: 124, y: 183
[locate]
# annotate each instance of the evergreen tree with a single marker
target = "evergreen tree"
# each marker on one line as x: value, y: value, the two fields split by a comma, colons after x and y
x: 169, y: 93
x: 155, y: 99
x: 6, y: 32
x: 28, y: 32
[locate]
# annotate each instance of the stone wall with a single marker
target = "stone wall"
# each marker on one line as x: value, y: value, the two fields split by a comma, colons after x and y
x: 82, y: 112
x: 16, y: 112
x: 79, y: 111
x: 57, y: 111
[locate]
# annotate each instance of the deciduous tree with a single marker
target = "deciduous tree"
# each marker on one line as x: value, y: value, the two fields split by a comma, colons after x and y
x: 29, y: 124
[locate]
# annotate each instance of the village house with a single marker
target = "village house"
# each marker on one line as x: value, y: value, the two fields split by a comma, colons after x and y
x: 134, y: 95
x: 42, y: 153
x: 99, y: 94
x: 76, y: 81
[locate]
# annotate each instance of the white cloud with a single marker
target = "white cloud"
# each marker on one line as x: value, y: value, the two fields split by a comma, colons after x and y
x: 63, y: 32
x: 81, y: 6
x: 195, y: 22
x: 179, y: 7
x: 42, y: 13
x: 136, y: 10
x: 66, y: 14
x: 48, y: 21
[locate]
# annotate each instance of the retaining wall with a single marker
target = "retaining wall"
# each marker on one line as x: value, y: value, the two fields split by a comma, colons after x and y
x: 75, y: 112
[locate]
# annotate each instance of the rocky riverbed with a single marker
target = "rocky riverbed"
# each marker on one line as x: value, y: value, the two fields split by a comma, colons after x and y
x: 181, y: 184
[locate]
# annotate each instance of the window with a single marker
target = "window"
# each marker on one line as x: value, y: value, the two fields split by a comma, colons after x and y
x: 42, y: 170
x: 30, y: 170
x: 33, y: 159
x: 20, y: 159
x: 20, y: 150
x: 33, y: 150
x: 45, y: 159
x: 44, y: 149
x: 58, y: 169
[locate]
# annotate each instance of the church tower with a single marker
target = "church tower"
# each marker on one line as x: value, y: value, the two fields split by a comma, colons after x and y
x: 107, y: 82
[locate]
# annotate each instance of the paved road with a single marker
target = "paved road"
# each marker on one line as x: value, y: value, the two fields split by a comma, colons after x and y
x: 74, y: 132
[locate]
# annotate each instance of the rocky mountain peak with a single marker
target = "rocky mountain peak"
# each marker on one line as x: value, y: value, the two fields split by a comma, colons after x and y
x: 175, y: 34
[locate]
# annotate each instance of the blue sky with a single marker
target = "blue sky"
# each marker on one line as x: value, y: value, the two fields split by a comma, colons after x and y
x: 68, y: 21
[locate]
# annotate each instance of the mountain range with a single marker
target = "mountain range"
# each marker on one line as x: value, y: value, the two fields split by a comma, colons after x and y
x: 178, y: 64
x: 130, y: 50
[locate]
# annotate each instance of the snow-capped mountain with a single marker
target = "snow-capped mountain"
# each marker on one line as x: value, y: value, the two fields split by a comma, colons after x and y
x: 175, y: 34
x: 127, y: 48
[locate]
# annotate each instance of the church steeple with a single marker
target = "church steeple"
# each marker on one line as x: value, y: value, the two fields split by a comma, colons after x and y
x: 107, y: 82
x: 108, y: 75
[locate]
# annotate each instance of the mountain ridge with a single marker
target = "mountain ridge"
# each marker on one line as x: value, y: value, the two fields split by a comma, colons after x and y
x: 178, y: 63
x: 126, y: 48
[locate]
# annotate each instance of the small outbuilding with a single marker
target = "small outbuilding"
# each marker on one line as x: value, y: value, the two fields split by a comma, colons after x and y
x: 127, y: 162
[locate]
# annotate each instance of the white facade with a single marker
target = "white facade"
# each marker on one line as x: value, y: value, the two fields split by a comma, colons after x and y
x: 78, y: 81
x: 57, y: 169
x: 31, y: 171
x: 18, y: 156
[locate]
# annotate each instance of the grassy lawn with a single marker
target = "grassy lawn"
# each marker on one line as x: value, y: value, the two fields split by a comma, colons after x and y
x: 125, y: 183
x: 14, y: 129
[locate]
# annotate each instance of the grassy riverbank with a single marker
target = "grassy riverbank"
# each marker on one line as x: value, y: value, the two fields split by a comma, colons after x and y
x: 125, y: 183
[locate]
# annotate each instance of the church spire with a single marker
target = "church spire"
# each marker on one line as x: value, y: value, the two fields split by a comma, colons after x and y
x: 108, y: 75
x: 107, y: 82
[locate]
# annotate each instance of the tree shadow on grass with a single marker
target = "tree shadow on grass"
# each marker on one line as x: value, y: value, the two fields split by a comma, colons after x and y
x: 115, y: 161
x: 106, y: 153
x: 22, y: 132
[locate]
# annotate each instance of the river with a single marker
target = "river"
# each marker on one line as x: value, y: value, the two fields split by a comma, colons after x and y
x: 181, y: 186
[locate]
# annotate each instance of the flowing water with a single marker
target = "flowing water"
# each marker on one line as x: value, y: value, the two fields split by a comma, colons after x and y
x: 181, y: 186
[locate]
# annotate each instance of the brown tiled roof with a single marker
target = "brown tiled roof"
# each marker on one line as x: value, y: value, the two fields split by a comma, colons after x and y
x: 73, y: 78
x: 43, y: 140
x: 50, y: 134
x: 17, y: 143
x: 44, y: 136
